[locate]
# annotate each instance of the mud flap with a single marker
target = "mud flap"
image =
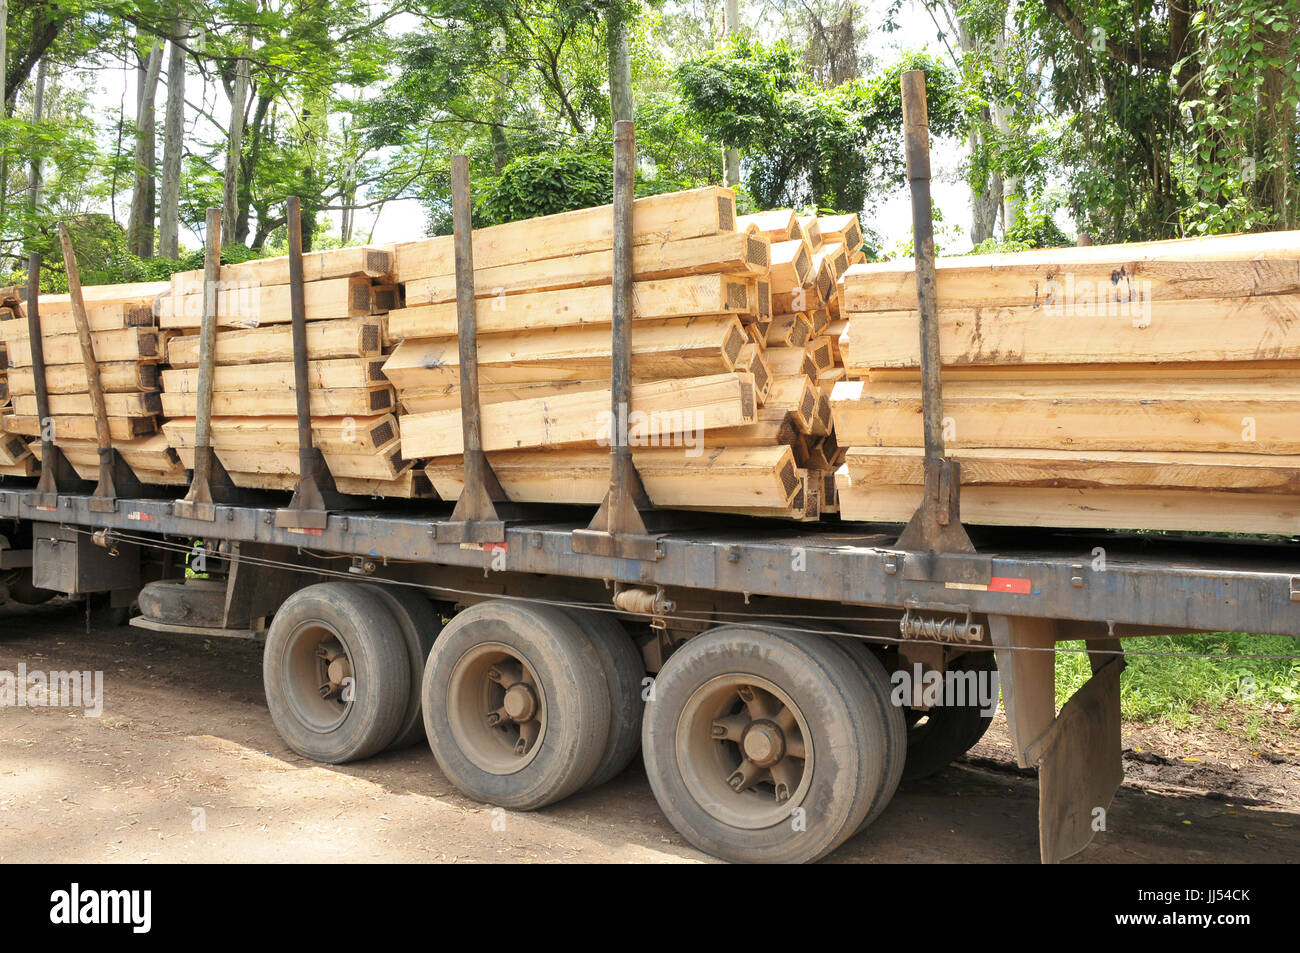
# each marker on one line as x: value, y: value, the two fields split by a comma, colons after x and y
x: 1077, y: 752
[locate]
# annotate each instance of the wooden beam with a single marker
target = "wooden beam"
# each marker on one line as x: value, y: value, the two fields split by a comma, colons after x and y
x: 358, y: 337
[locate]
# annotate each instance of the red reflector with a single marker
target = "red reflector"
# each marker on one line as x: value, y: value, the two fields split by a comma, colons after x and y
x: 1009, y: 584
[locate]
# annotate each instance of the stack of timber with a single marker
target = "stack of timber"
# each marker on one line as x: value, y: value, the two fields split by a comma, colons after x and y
x: 713, y: 423
x: 1153, y: 386
x: 15, y: 457
x: 254, y: 425
x: 128, y: 347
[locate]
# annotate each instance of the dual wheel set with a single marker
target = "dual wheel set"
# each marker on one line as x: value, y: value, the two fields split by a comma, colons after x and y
x: 761, y: 743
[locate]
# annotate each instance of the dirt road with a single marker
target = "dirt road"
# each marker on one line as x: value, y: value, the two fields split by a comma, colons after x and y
x: 184, y: 765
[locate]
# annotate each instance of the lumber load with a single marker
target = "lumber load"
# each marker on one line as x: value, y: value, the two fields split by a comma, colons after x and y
x: 734, y: 253
x: 1152, y: 386
x: 128, y: 347
x: 16, y: 458
x: 705, y: 324
x: 656, y: 219
x: 326, y: 340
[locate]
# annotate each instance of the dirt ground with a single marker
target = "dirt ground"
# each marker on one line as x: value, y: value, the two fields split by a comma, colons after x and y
x: 185, y: 765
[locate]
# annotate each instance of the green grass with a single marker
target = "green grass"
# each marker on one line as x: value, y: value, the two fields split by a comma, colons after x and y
x: 1179, y: 690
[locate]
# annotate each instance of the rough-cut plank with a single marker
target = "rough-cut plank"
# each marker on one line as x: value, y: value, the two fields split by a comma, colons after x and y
x: 336, y: 434
x: 82, y: 428
x: 798, y: 397
x: 386, y: 465
x: 675, y: 348
x: 251, y: 306
x: 1205, y: 511
x: 1194, y: 416
x: 1259, y: 472
x: 359, y: 262
x: 655, y: 219
x: 345, y: 372
x: 720, y: 478
x: 100, y: 317
x: 726, y: 253
x: 358, y: 337
x: 114, y: 376
x: 655, y: 299
x: 422, y: 400
x: 1216, y: 329
x: 130, y: 404
x: 778, y: 225
x: 127, y: 344
x: 336, y: 402
x: 1219, y: 267
x: 95, y: 294
x: 658, y: 409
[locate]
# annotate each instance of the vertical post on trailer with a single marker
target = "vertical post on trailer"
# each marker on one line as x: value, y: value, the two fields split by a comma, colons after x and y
x: 57, y: 475
x: 936, y: 525
x: 618, y: 528
x: 315, y: 494
x: 475, y: 517
x: 209, y: 482
x: 114, y: 475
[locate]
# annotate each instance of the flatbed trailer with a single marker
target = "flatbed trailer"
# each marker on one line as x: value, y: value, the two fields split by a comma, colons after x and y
x: 771, y: 672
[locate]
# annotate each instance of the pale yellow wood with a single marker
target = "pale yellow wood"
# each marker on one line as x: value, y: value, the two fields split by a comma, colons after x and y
x: 361, y: 466
x: 676, y: 348
x: 335, y: 402
x: 114, y: 377
x: 1273, y: 473
x: 358, y: 262
x: 792, y: 264
x: 718, y: 479
x: 797, y: 396
x: 660, y: 298
x: 348, y: 372
x: 100, y: 317
x: 82, y: 428
x: 658, y: 409
x: 127, y: 344
x: 841, y: 228
x: 655, y: 219
x: 117, y: 404
x: 1203, y: 416
x: 1205, y: 511
x: 336, y: 434
x: 1227, y: 329
x: 728, y: 252
x: 358, y: 337
x: 253, y: 305
x: 1217, y: 267
x: 778, y: 225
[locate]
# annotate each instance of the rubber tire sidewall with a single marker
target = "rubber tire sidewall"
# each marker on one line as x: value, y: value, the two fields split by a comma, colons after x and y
x: 847, y: 741
x: 576, y: 698
x: 420, y: 625
x: 380, y: 667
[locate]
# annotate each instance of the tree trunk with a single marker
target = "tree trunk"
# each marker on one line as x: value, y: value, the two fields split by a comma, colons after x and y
x: 235, y: 146
x: 730, y: 154
x: 140, y: 225
x: 621, y: 105
x: 173, y: 147
x: 38, y: 111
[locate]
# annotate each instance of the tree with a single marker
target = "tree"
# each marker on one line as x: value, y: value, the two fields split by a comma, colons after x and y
x: 173, y: 145
x: 140, y: 230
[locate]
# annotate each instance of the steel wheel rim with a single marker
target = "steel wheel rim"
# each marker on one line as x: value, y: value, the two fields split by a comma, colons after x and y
x: 744, y: 751
x: 496, y: 708
x: 320, y: 677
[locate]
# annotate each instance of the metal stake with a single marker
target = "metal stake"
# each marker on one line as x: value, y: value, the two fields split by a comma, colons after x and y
x: 57, y: 475
x: 936, y: 525
x: 315, y: 493
x: 209, y: 482
x: 114, y: 475
x: 618, y: 528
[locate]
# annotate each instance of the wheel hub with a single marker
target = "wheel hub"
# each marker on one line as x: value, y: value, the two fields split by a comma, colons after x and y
x: 763, y: 742
x: 520, y: 702
x: 498, y: 709
x: 336, y: 668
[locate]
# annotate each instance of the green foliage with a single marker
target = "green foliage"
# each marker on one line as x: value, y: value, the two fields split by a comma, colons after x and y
x: 1155, y: 688
x: 545, y: 184
x: 805, y: 144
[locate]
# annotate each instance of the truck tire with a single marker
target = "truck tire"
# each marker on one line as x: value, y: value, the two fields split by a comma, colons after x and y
x: 937, y: 738
x: 891, y: 716
x: 516, y: 708
x: 764, y: 744
x: 22, y: 591
x: 336, y: 673
x: 420, y: 625
x: 624, y: 669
